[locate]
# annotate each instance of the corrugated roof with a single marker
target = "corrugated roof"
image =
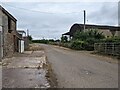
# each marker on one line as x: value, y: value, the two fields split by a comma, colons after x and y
x: 88, y: 26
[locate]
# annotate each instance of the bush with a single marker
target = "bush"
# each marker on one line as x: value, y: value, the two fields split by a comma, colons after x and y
x: 41, y: 41
x: 86, y: 39
x: 111, y: 40
x: 77, y: 45
x: 64, y: 39
x: 91, y: 33
x: 89, y: 47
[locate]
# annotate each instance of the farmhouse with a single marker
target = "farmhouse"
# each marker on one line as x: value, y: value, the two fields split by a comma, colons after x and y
x: 9, y: 37
x: 108, y: 31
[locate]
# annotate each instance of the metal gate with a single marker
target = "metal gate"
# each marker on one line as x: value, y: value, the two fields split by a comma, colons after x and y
x: 1, y: 44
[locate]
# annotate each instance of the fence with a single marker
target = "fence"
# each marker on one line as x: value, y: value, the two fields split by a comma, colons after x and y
x: 108, y: 48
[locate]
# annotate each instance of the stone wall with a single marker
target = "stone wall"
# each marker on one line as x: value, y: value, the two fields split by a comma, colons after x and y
x: 1, y: 51
x: 26, y: 42
x: 0, y: 17
x: 8, y: 40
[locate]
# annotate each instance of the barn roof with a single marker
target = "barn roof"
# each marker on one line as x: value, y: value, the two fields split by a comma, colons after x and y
x: 80, y: 27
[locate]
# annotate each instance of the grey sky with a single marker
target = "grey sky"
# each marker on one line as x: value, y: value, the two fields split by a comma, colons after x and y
x: 52, y: 19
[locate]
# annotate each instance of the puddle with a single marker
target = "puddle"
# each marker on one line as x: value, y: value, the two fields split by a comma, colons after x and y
x: 26, y: 70
x: 85, y: 72
x: 24, y: 78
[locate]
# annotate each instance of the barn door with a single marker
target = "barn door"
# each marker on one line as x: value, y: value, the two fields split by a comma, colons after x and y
x: 1, y: 44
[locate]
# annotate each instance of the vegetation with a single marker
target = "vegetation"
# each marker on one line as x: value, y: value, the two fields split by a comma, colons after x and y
x: 40, y: 41
x: 64, y: 39
x: 111, y: 40
x: 46, y: 41
x: 83, y: 40
x: 91, y: 33
x: 30, y: 37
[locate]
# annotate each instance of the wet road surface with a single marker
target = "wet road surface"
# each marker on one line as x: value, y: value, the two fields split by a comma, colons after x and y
x: 22, y: 71
x: 78, y: 69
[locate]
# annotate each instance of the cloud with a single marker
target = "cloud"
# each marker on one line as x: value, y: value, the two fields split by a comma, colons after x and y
x: 51, y: 20
x: 59, y: 1
x: 106, y: 14
x: 119, y: 13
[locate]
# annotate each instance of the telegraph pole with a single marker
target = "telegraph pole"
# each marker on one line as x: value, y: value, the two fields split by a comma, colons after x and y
x: 84, y: 19
x: 119, y: 13
x: 27, y: 32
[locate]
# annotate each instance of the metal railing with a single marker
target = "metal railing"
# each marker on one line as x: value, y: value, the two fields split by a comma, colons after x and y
x: 107, y: 48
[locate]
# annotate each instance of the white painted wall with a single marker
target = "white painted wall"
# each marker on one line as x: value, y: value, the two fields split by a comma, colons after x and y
x: 22, y: 46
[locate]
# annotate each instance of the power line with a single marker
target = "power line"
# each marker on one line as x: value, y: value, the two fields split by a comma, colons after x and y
x: 36, y: 10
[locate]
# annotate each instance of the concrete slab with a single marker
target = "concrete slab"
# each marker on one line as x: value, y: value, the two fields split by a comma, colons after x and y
x: 24, y: 78
x: 25, y: 71
x: 25, y: 62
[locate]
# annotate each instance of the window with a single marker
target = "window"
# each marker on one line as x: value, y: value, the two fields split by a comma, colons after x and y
x: 9, y: 25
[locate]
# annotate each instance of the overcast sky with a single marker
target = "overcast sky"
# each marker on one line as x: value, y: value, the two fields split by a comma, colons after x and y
x: 52, y: 19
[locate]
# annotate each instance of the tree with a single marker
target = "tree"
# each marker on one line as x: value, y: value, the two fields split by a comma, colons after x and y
x: 91, y: 33
x: 64, y: 39
x: 30, y: 37
x: 88, y: 38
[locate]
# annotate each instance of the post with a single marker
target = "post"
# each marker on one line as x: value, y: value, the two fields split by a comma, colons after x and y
x: 84, y: 19
x: 27, y: 32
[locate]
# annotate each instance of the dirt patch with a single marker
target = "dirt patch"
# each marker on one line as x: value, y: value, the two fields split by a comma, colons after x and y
x: 51, y: 77
x: 35, y: 47
x: 107, y: 58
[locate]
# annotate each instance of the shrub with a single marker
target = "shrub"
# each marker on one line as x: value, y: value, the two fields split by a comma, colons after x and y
x: 111, y: 39
x: 77, y: 45
x: 41, y: 41
x: 91, y: 33
x: 64, y: 39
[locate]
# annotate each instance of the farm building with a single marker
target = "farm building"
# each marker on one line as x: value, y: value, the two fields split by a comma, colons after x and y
x: 9, y: 37
x: 108, y: 31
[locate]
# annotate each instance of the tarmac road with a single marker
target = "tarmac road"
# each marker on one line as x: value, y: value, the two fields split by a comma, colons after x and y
x: 79, y: 69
